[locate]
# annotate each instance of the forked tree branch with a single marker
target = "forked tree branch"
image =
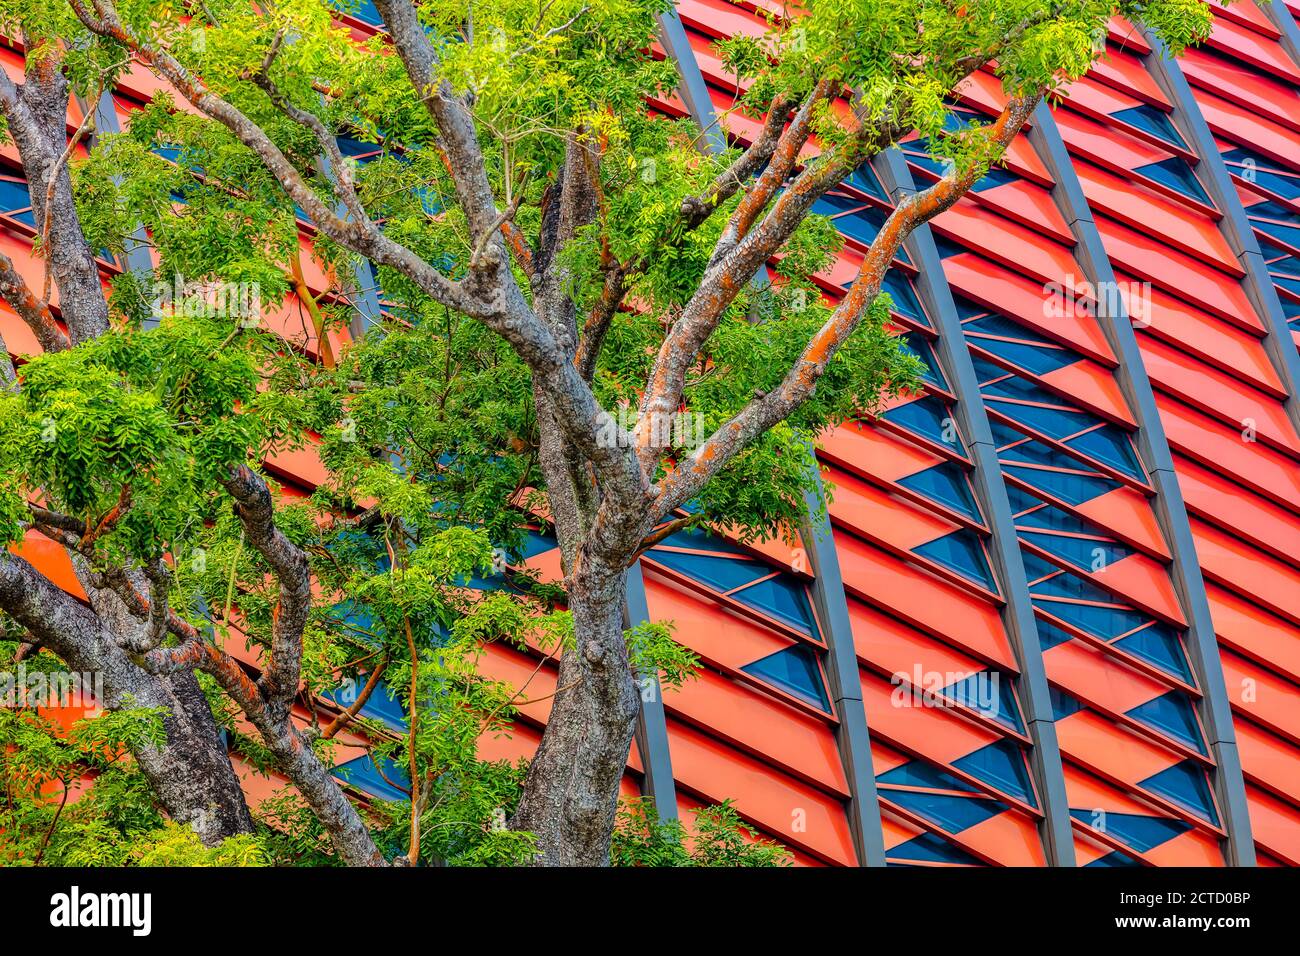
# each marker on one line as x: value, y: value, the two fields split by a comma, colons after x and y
x: 686, y: 480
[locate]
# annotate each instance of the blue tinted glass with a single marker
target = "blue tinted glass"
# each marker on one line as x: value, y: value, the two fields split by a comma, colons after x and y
x: 865, y: 179
x: 967, y: 308
x: 16, y: 196
x: 1103, y: 622
x: 363, y: 10
x: 1112, y: 859
x: 1085, y: 554
x: 1172, y: 714
x: 1187, y: 785
x: 986, y: 371
x: 906, y: 303
x: 363, y: 774
x: 929, y: 848
x: 1142, y: 833
x: 954, y: 814
x: 988, y: 692
x: 1036, y: 567
x: 1262, y: 172
x: 535, y: 543
x: 381, y: 705
x: 1153, y: 120
x: 961, y: 551
x: 1033, y: 353
x: 1002, y: 765
x: 1159, y: 645
x: 1063, y: 704
x: 1175, y: 173
x: 918, y: 773
x: 1071, y: 488
x: 697, y: 539
x: 783, y: 598
x: 918, y: 346
x: 1049, y: 635
x: 1053, y: 422
x: 1111, y: 446
x: 795, y: 671
x: 1287, y: 231
x: 855, y: 219
x: 947, y: 247
x: 721, y: 574
x: 928, y: 417
x: 945, y: 483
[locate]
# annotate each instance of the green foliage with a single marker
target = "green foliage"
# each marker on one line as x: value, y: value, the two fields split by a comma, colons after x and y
x: 429, y: 426
x: 717, y: 836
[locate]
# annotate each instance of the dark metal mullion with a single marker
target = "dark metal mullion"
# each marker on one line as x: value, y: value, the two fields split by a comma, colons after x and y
x: 1018, y: 614
x: 1171, y: 512
x: 851, y: 735
x: 1235, y: 226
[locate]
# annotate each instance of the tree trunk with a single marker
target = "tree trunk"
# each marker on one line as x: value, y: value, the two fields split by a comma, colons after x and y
x: 192, y: 774
x: 571, y: 792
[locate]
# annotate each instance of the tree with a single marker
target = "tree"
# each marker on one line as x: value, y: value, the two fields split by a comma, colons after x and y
x: 580, y: 328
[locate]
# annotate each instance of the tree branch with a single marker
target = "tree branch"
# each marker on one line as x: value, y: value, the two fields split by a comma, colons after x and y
x: 685, y: 480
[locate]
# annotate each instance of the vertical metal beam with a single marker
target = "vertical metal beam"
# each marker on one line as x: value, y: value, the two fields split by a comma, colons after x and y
x: 693, y: 90
x: 851, y: 736
x: 651, y: 722
x: 1235, y: 226
x: 1170, y: 510
x: 1018, y: 616
x: 1280, y: 14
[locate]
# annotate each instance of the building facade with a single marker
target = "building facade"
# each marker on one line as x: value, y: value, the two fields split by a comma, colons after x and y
x: 1053, y: 615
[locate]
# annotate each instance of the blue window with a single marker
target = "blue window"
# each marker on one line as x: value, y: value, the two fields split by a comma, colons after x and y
x: 16, y: 201
x: 1110, y: 446
x: 1140, y: 832
x: 1113, y: 859
x: 1171, y: 714
x: 864, y: 178
x: 918, y: 773
x: 365, y: 774
x: 1070, y: 487
x: 721, y: 574
x: 1063, y: 704
x: 1049, y: 635
x: 1082, y: 553
x: 1057, y: 475
x: 963, y: 552
x: 535, y: 542
x: 382, y: 705
x: 917, y: 344
x: 906, y: 303
x: 1160, y: 646
x: 988, y: 692
x: 928, y: 417
x: 363, y: 10
x: 1263, y: 172
x: 795, y: 671
x: 784, y: 598
x: 1177, y: 174
x: 945, y: 483
x: 1279, y: 222
x: 1153, y: 120
x: 1187, y: 785
x: 859, y: 221
x: 929, y: 848
x: 1029, y: 350
x: 954, y: 814
x: 1002, y: 765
